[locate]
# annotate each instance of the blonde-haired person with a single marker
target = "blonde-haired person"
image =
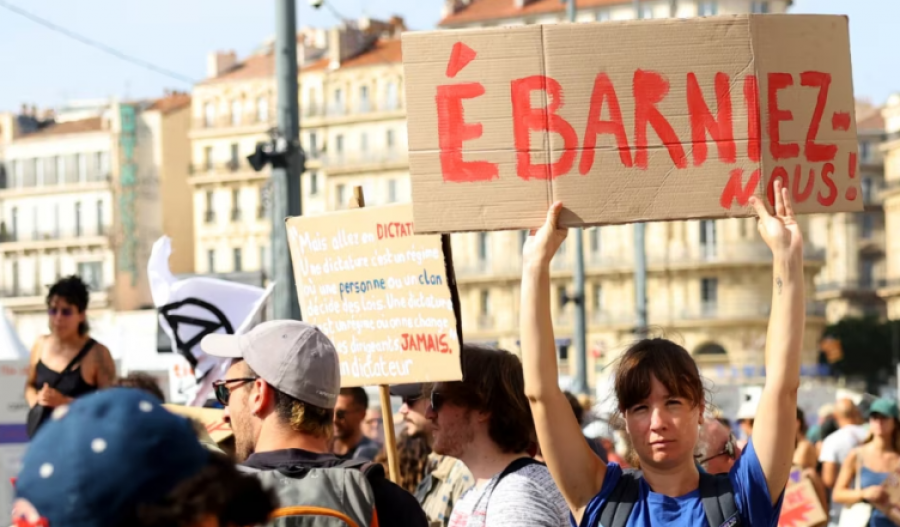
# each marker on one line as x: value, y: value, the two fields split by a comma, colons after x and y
x: 661, y: 396
x: 864, y: 471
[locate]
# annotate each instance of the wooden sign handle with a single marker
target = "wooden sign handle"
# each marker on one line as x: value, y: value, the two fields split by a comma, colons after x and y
x: 387, y: 413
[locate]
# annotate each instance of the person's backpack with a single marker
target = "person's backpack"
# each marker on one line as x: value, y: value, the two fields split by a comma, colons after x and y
x: 716, y: 492
x: 339, y: 496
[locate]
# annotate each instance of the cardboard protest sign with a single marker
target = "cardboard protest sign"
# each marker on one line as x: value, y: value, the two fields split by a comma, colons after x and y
x: 212, y: 420
x: 892, y: 486
x: 629, y: 121
x: 385, y: 297
x: 801, y: 506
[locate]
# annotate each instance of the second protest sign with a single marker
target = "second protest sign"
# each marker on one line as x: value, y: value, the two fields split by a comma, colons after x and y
x: 384, y: 296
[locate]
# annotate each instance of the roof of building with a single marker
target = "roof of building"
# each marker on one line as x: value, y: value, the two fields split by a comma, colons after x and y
x: 170, y: 103
x: 91, y: 124
x: 382, y: 51
x: 479, y: 10
x: 253, y: 67
x: 874, y: 121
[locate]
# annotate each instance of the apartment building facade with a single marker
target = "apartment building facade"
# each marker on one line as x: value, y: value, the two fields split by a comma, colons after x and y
x: 83, y: 192
x: 890, y: 149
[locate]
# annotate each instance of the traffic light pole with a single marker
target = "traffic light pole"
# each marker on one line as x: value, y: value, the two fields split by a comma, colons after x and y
x: 285, y: 190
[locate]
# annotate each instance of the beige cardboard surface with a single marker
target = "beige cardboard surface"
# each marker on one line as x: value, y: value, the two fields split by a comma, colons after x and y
x: 212, y: 420
x: 801, y: 506
x: 629, y: 121
x: 379, y: 292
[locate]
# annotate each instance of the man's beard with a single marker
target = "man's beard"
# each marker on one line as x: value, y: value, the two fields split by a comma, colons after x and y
x: 453, y: 442
x: 244, y: 444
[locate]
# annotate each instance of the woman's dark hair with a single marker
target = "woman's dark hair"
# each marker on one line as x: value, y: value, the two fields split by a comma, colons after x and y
x: 664, y: 360
x: 141, y: 381
x: 412, y: 457
x: 74, y: 291
x: 493, y: 382
x: 801, y: 418
x: 576, y: 407
x: 219, y: 490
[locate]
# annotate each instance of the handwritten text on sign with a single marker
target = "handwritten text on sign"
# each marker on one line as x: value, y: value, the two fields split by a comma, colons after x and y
x: 379, y: 292
x: 630, y: 121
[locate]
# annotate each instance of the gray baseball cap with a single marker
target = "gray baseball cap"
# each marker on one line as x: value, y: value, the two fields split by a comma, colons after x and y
x: 294, y: 357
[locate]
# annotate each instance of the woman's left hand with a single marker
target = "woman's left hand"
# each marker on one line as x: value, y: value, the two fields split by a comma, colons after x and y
x: 51, y: 397
x: 780, y: 231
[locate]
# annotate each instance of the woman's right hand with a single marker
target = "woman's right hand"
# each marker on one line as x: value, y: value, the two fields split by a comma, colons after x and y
x: 542, y: 244
x: 874, y: 494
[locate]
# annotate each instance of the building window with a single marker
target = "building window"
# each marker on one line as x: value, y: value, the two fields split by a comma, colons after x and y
x: 313, y: 145
x: 77, y: 218
x: 562, y: 297
x: 92, y: 274
x: 238, y: 263
x: 339, y: 145
x: 708, y: 8
x: 866, y: 273
x: 523, y: 237
x: 60, y: 169
x: 392, y: 190
x: 389, y: 139
x: 563, y: 352
x: 262, y: 109
x: 363, y: 142
x: 15, y: 278
x: 211, y: 261
x: 56, y: 220
x: 235, y: 204
x: 867, y: 185
x: 391, y: 101
x: 234, y: 162
x: 759, y: 7
x: 364, y: 99
x: 235, y: 113
x: 34, y: 224
x: 313, y: 183
x: 14, y: 223
x: 710, y: 348
x: 484, y: 304
x: 39, y: 172
x: 263, y: 261
x: 209, y: 115
x: 598, y: 297
x: 708, y: 238
x: 483, y: 247
x: 261, y: 207
x: 601, y: 15
x: 337, y: 107
x: 81, y: 163
x: 210, y: 215
x: 709, y: 295
x: 864, y: 151
x: 645, y: 12
x: 208, y: 158
x: 595, y: 240
x: 867, y: 226
x: 340, y: 196
x: 100, y: 227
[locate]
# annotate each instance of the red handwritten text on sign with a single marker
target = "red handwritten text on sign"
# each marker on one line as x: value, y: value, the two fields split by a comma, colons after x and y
x: 799, y: 165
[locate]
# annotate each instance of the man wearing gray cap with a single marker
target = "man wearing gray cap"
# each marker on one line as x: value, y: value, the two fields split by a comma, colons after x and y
x: 279, y: 397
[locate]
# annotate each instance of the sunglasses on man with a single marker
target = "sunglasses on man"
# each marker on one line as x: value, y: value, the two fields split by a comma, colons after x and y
x: 223, y: 392
x: 65, y: 311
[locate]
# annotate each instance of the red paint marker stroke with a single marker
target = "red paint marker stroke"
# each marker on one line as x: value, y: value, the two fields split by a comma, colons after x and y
x: 840, y: 121
x: 460, y: 57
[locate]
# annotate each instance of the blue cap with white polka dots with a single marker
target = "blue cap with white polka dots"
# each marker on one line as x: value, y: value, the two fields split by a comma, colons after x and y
x: 104, y: 454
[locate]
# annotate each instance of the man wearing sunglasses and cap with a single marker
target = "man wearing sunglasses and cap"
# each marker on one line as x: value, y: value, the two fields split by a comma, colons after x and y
x: 447, y: 478
x: 279, y: 397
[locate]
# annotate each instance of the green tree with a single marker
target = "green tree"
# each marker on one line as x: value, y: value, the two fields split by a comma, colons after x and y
x: 871, y: 349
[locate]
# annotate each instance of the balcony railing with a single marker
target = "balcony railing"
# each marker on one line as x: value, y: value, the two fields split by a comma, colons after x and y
x: 363, y: 158
x: 751, y: 252
x: 489, y: 267
x: 18, y: 292
x: 234, y: 165
x: 737, y: 311
x: 209, y: 216
x: 235, y: 214
x: 858, y: 284
x: 61, y: 234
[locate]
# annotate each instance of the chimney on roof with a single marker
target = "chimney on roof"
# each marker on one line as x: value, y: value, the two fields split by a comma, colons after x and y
x: 451, y: 7
x: 220, y: 62
x: 346, y: 42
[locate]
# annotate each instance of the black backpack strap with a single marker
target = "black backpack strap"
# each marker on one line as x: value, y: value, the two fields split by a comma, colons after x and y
x: 516, y: 466
x: 75, y: 361
x: 618, y: 506
x: 717, y: 494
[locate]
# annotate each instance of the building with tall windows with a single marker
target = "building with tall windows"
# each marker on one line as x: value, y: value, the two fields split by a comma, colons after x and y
x: 353, y: 132
x: 890, y: 196
x: 86, y: 190
x: 709, y: 282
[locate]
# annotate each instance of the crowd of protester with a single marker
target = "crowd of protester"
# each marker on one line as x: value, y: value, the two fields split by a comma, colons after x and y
x: 505, y: 446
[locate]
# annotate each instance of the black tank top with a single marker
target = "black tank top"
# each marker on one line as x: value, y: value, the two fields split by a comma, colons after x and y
x: 70, y: 384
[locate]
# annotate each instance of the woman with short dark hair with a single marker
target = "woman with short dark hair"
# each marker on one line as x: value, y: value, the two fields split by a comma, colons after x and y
x: 67, y: 363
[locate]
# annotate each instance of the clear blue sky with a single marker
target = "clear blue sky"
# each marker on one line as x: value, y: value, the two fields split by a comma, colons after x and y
x: 45, y: 68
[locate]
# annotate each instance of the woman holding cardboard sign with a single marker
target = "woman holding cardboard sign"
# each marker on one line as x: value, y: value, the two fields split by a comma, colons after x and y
x: 662, y: 400
x: 860, y: 484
